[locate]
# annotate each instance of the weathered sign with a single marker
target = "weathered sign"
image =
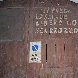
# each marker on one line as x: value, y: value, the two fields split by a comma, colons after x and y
x: 35, y: 52
x: 11, y: 24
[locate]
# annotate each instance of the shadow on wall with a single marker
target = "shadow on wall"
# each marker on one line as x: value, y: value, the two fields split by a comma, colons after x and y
x: 3, y: 61
x: 11, y: 3
x: 27, y: 3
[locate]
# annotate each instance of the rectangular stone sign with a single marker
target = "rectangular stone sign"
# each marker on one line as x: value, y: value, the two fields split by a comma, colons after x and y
x: 11, y: 24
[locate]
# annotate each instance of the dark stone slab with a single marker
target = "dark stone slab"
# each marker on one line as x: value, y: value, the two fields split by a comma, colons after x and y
x: 11, y: 24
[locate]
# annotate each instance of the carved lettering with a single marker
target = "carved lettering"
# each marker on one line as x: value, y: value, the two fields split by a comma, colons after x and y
x: 56, y: 20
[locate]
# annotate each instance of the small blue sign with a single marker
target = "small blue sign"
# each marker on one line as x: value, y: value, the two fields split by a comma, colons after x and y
x: 35, y: 47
